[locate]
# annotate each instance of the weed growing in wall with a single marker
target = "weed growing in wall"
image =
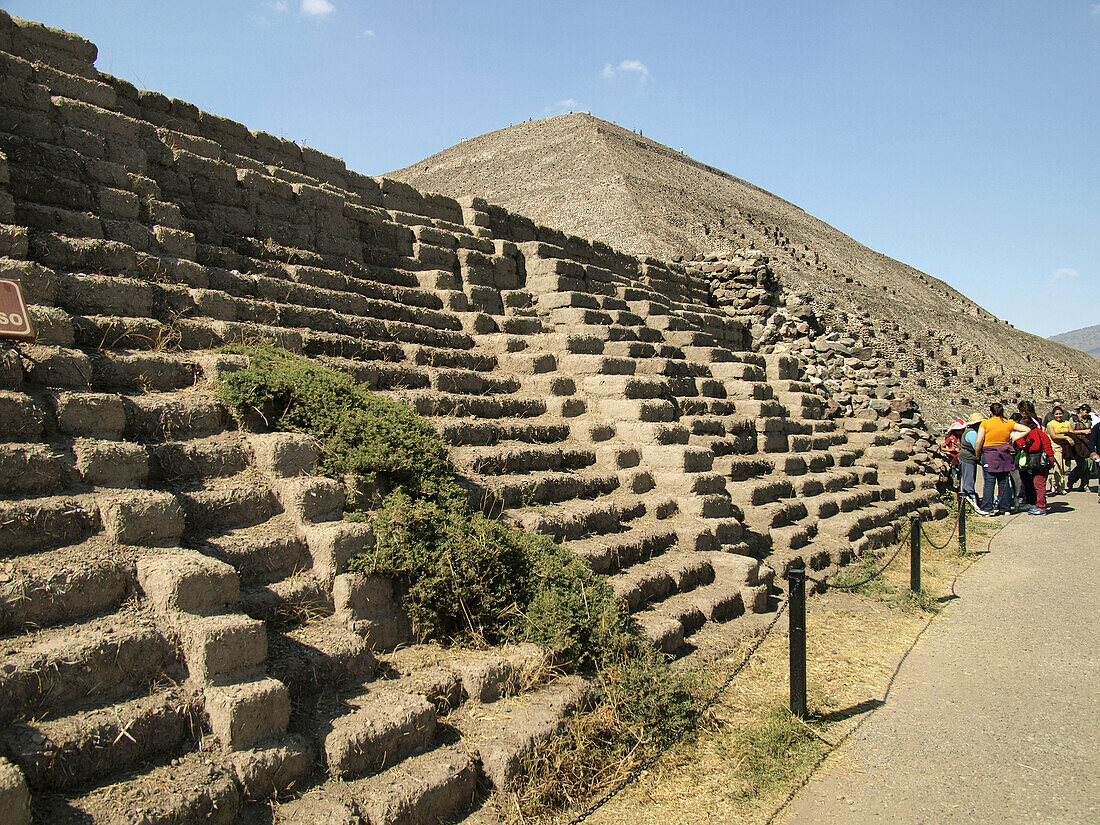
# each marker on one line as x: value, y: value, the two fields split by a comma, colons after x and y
x: 465, y: 578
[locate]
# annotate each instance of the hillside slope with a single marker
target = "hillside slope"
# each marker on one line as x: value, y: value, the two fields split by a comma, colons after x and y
x: 1086, y: 339
x: 592, y: 178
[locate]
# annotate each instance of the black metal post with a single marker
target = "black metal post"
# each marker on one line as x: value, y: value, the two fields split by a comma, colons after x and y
x: 914, y: 552
x: 962, y: 527
x: 796, y: 580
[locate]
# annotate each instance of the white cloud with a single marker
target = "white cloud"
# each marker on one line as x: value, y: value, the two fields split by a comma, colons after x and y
x: 635, y: 66
x: 368, y: 32
x: 1063, y: 273
x: 1096, y: 10
x: 279, y: 6
x: 317, y: 8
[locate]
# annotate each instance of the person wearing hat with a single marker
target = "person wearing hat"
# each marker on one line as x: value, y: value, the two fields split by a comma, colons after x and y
x: 968, y: 461
x: 1087, y: 415
x: 951, y: 448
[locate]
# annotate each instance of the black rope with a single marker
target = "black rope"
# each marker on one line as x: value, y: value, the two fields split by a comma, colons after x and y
x: 873, y: 576
x: 687, y: 728
x: 946, y: 544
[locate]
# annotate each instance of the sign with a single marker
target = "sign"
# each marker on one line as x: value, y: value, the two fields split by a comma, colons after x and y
x: 14, y: 320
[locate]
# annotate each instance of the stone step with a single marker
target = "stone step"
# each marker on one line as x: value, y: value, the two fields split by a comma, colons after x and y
x: 678, y: 458
x: 89, y: 745
x: 646, y: 410
x: 624, y: 386
x: 221, y: 505
x: 757, y: 492
x: 435, y: 786
x: 261, y: 553
x: 526, y: 490
x: 40, y: 590
x: 580, y: 519
x: 676, y: 571
x: 198, y: 787
x: 114, y: 656
x: 445, y: 358
x: 506, y: 458
x: 291, y: 600
x: 471, y: 382
x: 691, y: 483
x: 217, y: 456
x: 668, y: 366
x: 462, y: 432
x: 739, y: 468
x: 711, y: 407
x: 315, y: 656
x: 500, y: 734
x: 319, y: 344
x: 669, y: 623
x: 592, y: 365
x: 381, y: 727
x: 173, y: 417
x: 34, y: 469
x: 435, y: 403
x: 30, y: 525
x: 802, y: 463
x: 765, y: 517
x: 642, y: 540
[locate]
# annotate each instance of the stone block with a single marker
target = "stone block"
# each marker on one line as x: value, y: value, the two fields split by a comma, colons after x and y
x: 92, y: 415
x: 366, y: 605
x: 147, y: 518
x: 242, y: 714
x: 216, y: 645
x: 187, y: 581
x: 309, y: 499
x: 264, y: 773
x: 285, y: 454
x: 111, y: 463
x: 332, y: 543
x: 58, y: 367
x: 15, y: 797
x: 387, y: 725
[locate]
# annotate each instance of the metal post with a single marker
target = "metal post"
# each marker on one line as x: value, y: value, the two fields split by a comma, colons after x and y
x: 962, y: 527
x: 914, y: 552
x: 796, y: 580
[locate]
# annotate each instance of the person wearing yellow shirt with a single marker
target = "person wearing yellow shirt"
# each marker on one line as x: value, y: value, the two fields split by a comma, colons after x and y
x: 1058, y: 430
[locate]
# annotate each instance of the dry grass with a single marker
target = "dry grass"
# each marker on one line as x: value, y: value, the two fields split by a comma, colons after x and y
x: 750, y: 755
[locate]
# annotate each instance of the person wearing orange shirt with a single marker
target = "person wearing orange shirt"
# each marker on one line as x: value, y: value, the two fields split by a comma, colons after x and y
x: 995, y: 450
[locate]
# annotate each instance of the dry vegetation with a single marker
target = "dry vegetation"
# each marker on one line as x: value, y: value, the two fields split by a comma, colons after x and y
x: 750, y: 755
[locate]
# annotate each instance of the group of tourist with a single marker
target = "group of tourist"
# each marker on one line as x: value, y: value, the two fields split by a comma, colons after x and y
x: 1024, y: 460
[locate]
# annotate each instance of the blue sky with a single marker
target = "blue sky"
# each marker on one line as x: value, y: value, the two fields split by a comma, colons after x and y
x: 959, y: 137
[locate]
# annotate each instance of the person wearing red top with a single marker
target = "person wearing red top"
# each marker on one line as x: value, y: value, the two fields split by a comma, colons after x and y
x: 1034, y: 442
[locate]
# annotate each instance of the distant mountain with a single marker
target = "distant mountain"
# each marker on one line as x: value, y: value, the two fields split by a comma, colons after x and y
x: 1086, y: 339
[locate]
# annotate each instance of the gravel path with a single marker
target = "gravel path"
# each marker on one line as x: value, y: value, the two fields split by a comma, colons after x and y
x: 995, y: 715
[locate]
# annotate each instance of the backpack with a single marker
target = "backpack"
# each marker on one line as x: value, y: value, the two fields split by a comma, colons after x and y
x: 1030, y: 461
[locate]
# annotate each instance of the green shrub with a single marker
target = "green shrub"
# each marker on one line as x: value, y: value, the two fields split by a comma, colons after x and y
x: 383, y: 442
x: 465, y: 577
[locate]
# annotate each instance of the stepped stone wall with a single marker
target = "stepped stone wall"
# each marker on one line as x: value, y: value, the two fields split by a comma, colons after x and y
x: 181, y: 641
x: 857, y: 358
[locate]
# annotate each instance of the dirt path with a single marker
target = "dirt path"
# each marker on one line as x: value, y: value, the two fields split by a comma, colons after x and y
x: 995, y: 715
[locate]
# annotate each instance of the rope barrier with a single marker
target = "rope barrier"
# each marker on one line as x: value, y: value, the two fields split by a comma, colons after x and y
x: 687, y: 728
x: 637, y: 771
x: 946, y: 544
x: 873, y: 576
